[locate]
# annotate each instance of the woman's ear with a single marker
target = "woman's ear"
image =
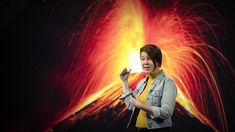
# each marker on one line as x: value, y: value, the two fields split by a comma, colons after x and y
x: 156, y: 64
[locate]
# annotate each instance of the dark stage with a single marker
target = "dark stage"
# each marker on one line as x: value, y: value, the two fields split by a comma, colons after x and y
x: 39, y: 39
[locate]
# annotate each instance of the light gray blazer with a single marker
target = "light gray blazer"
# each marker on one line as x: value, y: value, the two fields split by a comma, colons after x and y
x: 161, y: 97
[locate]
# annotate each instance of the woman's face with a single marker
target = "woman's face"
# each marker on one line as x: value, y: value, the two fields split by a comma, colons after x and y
x: 146, y: 63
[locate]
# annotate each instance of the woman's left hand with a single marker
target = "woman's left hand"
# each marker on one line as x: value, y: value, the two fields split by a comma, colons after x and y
x: 135, y: 102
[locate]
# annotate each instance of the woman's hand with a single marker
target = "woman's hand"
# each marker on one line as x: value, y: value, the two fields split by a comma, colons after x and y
x: 135, y: 102
x: 124, y: 75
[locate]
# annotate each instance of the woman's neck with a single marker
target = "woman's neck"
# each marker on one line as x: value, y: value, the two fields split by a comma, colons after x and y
x: 155, y: 73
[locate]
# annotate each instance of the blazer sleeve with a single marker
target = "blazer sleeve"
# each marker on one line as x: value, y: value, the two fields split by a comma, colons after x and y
x: 126, y: 96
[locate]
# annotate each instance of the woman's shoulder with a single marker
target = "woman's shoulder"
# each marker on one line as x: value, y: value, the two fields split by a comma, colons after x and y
x: 143, y: 80
x: 168, y: 79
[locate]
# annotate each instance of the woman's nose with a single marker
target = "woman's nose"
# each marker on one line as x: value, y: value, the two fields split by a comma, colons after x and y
x: 145, y: 61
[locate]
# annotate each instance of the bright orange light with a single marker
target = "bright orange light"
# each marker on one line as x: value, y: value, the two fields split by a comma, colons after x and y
x: 134, y: 62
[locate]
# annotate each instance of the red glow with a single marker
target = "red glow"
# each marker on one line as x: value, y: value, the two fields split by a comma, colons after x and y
x: 111, y: 39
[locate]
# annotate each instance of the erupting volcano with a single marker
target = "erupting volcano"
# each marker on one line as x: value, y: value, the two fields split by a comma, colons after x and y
x: 113, y: 33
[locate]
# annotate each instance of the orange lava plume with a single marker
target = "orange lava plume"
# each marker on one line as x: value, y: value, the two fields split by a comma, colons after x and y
x: 110, y: 41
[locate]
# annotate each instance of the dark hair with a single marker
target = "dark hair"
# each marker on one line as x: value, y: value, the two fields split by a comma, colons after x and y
x: 153, y: 52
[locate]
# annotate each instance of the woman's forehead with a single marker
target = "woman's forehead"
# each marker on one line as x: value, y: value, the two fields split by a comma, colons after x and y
x: 143, y: 53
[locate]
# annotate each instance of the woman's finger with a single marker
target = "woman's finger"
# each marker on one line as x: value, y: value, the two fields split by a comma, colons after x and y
x: 129, y: 71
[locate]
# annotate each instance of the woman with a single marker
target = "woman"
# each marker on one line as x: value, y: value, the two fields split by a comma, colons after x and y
x: 152, y: 103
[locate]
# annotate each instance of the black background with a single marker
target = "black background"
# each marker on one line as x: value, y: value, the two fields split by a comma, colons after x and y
x: 34, y: 34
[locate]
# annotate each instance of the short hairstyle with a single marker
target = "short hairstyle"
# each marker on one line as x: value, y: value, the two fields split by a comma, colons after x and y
x: 153, y: 52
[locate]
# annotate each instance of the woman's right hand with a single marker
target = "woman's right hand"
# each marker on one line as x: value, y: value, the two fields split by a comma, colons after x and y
x: 124, y: 75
